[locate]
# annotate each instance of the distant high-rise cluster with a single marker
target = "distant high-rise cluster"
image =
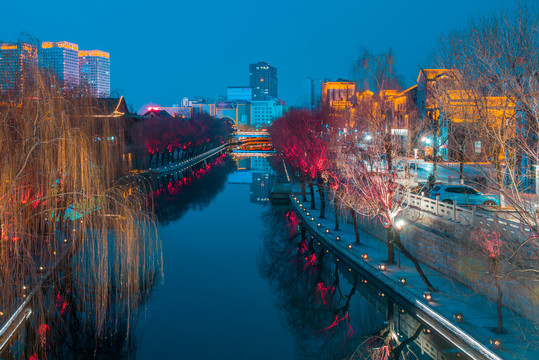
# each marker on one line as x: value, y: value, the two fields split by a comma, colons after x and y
x: 74, y: 69
x: 256, y: 105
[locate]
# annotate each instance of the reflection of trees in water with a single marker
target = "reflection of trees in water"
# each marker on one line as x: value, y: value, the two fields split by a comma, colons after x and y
x: 71, y: 321
x: 320, y: 304
x: 193, y: 189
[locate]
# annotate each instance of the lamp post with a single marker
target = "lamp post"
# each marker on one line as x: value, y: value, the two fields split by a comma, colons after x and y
x: 415, y: 164
x: 399, y: 224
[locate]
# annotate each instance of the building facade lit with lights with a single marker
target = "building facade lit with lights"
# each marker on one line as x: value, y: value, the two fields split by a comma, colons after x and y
x: 263, y: 80
x: 94, y: 70
x: 61, y: 59
x: 18, y: 63
x: 339, y: 95
x: 263, y: 113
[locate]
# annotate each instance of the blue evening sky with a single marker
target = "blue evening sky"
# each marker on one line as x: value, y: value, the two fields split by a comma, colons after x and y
x: 162, y: 51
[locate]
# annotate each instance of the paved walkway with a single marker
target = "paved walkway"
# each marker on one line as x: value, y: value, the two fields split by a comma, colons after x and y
x: 479, y: 313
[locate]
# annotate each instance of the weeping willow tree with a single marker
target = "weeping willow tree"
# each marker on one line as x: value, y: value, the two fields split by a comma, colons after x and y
x: 66, y: 209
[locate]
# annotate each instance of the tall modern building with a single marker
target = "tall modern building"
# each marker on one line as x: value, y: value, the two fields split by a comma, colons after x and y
x: 312, y: 93
x: 263, y: 80
x: 94, y: 69
x: 18, y: 63
x: 62, y: 60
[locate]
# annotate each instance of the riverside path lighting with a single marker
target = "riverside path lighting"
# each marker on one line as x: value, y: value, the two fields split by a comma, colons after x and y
x: 312, y: 218
x: 349, y: 246
x: 402, y: 280
x: 337, y: 238
x: 427, y: 295
x: 496, y: 343
x: 382, y: 267
x: 308, y: 214
x: 327, y: 231
x: 365, y: 256
x: 458, y: 317
x: 318, y: 224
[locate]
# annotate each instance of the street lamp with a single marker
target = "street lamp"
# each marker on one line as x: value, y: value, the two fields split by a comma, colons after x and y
x: 415, y: 163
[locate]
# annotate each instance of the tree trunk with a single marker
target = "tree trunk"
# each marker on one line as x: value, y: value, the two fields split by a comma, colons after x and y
x: 336, y: 207
x: 303, y: 193
x: 311, y: 188
x: 398, y: 350
x: 322, y: 193
x: 414, y: 260
x: 390, y: 245
x: 354, y: 218
x: 499, y: 307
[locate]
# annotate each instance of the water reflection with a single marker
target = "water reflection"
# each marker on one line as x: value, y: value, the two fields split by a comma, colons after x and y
x: 67, y: 324
x: 257, y: 172
x: 333, y: 311
x: 322, y: 307
x: 194, y: 188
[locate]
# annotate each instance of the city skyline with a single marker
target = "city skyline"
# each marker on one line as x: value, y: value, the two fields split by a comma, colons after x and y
x: 156, y: 65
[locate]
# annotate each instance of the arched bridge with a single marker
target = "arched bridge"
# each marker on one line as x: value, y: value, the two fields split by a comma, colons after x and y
x: 251, y: 143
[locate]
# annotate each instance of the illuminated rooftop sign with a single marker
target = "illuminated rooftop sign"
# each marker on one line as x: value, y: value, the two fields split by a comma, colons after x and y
x: 94, y: 53
x: 60, y: 44
x: 8, y: 47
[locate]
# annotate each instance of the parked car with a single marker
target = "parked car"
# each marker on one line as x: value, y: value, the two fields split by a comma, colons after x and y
x: 462, y: 195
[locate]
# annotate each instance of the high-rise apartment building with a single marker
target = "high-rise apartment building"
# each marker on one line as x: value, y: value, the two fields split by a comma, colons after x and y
x: 94, y: 68
x: 18, y: 63
x: 62, y: 60
x: 263, y: 80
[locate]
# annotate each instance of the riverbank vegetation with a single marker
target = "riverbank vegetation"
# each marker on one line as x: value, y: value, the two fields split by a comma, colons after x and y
x: 66, y: 210
x: 480, y: 108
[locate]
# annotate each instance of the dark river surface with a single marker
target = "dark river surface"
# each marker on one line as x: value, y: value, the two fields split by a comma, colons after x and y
x: 213, y: 302
x: 240, y: 282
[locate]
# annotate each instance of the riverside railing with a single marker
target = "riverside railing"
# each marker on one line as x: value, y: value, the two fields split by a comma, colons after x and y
x: 465, y: 216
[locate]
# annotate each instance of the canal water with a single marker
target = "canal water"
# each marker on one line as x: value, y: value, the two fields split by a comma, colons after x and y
x: 212, y: 302
x: 240, y: 280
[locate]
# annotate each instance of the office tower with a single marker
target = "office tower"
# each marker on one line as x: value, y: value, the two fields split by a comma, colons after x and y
x: 263, y: 80
x: 94, y: 68
x: 312, y: 93
x: 61, y: 59
x: 18, y: 65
